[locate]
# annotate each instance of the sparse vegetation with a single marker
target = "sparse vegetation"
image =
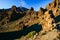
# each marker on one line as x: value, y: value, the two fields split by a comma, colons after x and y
x: 22, y: 19
x: 30, y: 34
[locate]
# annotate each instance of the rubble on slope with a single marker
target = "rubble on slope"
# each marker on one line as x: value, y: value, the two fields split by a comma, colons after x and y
x: 16, y: 21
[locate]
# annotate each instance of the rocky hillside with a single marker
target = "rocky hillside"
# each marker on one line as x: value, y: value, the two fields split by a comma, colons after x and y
x: 32, y: 25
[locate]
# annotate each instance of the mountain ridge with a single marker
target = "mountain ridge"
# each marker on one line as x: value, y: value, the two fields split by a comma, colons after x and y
x: 47, y: 18
x: 31, y: 14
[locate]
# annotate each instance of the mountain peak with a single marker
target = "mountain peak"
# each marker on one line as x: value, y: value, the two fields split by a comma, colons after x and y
x: 51, y: 10
x: 14, y: 7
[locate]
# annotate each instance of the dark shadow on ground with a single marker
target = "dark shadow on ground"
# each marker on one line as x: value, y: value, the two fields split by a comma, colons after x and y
x: 57, y: 19
x: 18, y: 34
x: 58, y: 27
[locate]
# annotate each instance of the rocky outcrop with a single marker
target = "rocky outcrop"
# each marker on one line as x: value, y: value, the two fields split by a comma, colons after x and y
x: 19, y: 18
x: 54, y: 6
x: 45, y: 17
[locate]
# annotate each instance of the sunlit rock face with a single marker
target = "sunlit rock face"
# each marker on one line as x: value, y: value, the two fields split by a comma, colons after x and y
x: 21, y: 18
x: 55, y: 7
x: 46, y: 20
x: 41, y: 25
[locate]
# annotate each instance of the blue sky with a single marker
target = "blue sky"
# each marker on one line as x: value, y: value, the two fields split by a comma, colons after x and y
x: 36, y: 4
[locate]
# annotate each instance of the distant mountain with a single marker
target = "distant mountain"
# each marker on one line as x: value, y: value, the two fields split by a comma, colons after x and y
x: 18, y: 9
x: 12, y: 14
x: 29, y: 17
x: 28, y: 23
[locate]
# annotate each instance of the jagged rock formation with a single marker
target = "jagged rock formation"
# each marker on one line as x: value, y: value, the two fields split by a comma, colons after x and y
x: 15, y: 19
x: 54, y: 6
x: 32, y: 17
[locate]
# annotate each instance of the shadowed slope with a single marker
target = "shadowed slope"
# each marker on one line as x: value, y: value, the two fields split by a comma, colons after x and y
x: 18, y: 34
